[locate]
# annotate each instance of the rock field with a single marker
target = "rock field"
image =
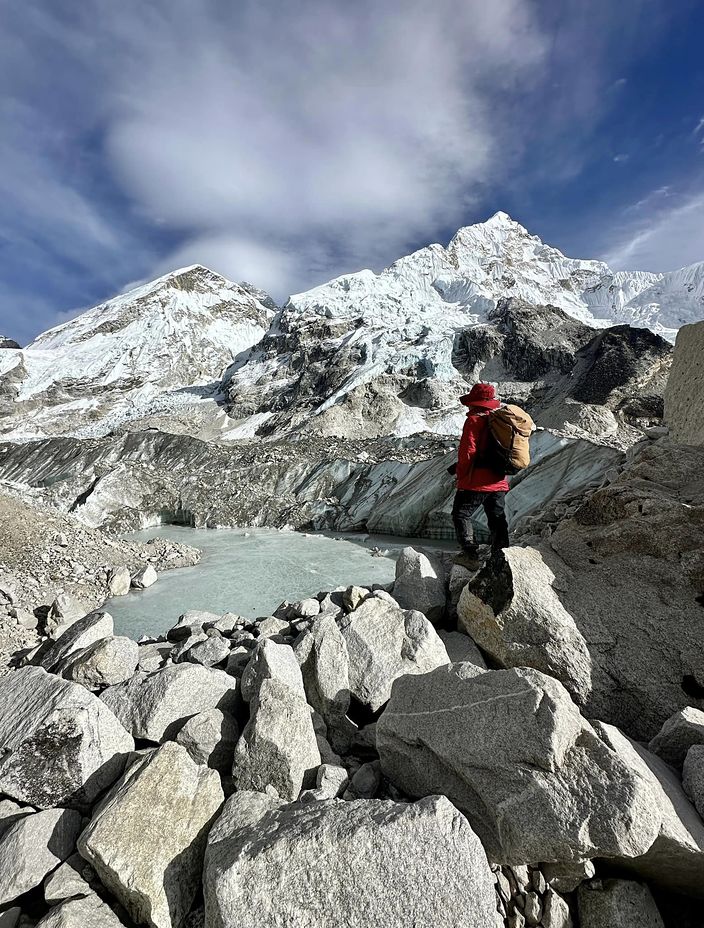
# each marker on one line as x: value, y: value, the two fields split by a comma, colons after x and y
x: 519, y: 747
x: 356, y: 759
x: 53, y: 569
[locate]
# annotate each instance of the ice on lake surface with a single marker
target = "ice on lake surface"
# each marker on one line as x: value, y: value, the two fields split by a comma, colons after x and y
x: 249, y: 572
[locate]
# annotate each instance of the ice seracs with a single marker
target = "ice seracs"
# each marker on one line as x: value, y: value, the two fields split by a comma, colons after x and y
x: 669, y: 301
x: 387, y: 347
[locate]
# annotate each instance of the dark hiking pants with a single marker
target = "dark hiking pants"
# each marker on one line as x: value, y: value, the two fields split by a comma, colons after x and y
x: 466, y: 502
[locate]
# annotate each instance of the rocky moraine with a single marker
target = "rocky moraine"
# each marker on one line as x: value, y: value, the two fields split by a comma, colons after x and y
x: 518, y: 746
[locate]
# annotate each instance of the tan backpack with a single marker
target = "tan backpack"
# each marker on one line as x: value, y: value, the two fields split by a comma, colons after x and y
x: 508, y: 442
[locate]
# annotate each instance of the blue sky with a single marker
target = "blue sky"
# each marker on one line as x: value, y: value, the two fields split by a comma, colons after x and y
x: 287, y: 142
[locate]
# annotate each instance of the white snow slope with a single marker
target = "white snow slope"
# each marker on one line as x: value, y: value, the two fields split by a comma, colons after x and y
x: 499, y: 258
x: 405, y: 319
x: 133, y: 356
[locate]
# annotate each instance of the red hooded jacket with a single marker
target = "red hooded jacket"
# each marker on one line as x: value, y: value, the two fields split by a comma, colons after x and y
x: 475, y: 435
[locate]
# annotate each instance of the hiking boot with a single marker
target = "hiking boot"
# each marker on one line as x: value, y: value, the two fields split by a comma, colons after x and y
x: 470, y: 560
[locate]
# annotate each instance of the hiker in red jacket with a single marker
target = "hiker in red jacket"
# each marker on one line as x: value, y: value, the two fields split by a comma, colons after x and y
x: 478, y: 485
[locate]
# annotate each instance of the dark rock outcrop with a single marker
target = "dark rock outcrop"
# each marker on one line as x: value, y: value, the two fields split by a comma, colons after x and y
x: 315, y: 375
x: 623, y: 367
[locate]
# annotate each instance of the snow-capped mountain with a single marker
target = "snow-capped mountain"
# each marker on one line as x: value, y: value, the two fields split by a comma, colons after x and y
x: 364, y: 354
x: 343, y: 356
x: 499, y: 258
x: 670, y: 301
x: 131, y: 356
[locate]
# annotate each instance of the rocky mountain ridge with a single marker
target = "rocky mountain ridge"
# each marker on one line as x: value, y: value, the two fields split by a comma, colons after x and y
x: 359, y: 355
x: 160, y: 347
x: 568, y: 376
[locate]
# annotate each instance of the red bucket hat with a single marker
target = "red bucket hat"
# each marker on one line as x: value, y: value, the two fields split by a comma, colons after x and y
x: 481, y: 394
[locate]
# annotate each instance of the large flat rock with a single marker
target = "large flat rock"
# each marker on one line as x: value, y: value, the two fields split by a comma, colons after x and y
x: 513, y: 753
x: 361, y: 864
x: 519, y: 619
x: 59, y: 744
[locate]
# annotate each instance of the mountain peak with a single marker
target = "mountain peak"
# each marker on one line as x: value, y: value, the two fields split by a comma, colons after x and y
x: 499, y: 226
x: 182, y: 278
x: 499, y: 218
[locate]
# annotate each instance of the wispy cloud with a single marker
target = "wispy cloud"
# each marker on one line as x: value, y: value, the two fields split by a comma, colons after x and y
x: 264, y: 137
x: 699, y: 131
x: 618, y: 84
x: 285, y: 143
x: 666, y: 235
x: 651, y: 198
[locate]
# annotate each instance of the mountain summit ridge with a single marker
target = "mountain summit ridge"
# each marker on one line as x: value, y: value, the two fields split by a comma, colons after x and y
x: 115, y: 361
x: 191, y: 333
x: 498, y: 258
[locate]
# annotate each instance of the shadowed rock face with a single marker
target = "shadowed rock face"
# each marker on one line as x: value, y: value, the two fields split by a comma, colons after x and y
x: 618, y: 902
x: 538, y: 340
x: 546, y: 360
x: 623, y: 363
x: 353, y: 377
x: 8, y: 342
x: 684, y: 396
